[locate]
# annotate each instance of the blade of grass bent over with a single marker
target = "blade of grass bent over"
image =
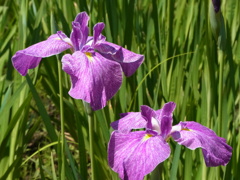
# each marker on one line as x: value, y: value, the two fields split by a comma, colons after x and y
x: 130, y: 104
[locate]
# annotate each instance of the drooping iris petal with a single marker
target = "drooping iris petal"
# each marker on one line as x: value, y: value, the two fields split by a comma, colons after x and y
x: 94, y: 79
x: 131, y: 120
x: 129, y: 61
x: 80, y: 31
x: 194, y: 135
x: 135, y: 154
x: 30, y: 57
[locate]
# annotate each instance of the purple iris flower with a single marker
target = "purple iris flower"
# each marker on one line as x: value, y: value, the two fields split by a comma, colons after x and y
x: 95, y: 67
x: 134, y: 154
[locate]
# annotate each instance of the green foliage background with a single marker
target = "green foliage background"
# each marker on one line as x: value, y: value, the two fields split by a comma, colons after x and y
x: 182, y: 64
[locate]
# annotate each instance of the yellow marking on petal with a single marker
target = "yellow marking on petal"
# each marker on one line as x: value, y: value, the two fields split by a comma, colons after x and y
x: 147, y: 136
x: 186, y: 129
x: 89, y: 56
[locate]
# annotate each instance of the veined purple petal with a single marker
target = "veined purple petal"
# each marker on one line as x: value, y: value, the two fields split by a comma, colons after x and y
x: 22, y: 63
x: 82, y: 18
x: 80, y: 31
x: 166, y: 126
x: 131, y: 120
x: 136, y: 154
x: 150, y: 116
x: 194, y: 135
x: 94, y: 78
x: 167, y: 110
x: 160, y: 120
x: 164, y: 116
x: 30, y: 57
x: 64, y: 38
x: 97, y: 36
x: 129, y: 61
x: 76, y: 36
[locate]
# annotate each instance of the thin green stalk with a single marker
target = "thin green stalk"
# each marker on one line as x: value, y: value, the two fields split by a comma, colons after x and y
x: 62, y: 122
x: 220, y: 91
x: 62, y: 138
x: 176, y: 158
x: 91, y: 139
x: 89, y: 113
x: 221, y: 56
x: 218, y: 30
x: 220, y: 97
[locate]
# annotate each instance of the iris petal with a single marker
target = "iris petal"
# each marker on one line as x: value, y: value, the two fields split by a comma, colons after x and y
x: 97, y: 36
x: 133, y: 156
x: 129, y: 61
x: 167, y: 110
x: 80, y: 31
x: 160, y: 120
x: 30, y: 57
x: 131, y: 120
x: 94, y: 78
x: 166, y: 126
x: 148, y: 113
x: 194, y: 135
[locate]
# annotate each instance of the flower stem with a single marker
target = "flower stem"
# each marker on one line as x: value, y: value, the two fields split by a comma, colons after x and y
x: 91, y: 139
x: 89, y: 113
x: 221, y: 56
x: 220, y: 91
x: 62, y: 122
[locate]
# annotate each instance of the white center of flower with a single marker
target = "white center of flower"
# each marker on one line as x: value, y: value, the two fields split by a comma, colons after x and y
x: 176, y: 128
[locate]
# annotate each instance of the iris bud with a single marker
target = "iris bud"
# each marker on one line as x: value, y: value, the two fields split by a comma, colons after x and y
x: 216, y: 5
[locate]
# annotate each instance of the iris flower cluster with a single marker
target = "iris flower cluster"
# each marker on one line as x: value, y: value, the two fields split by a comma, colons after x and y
x: 95, y: 67
x: 139, y: 141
